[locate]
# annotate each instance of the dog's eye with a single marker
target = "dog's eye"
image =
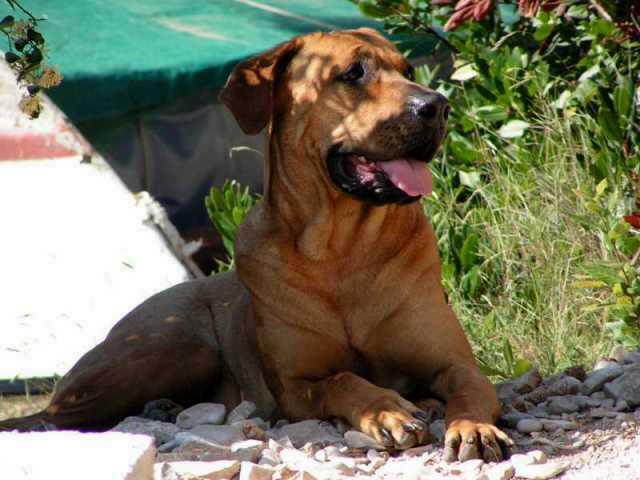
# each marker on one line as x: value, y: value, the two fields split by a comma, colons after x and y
x: 352, y: 74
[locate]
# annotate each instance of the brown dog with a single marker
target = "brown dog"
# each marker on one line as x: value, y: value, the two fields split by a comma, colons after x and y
x: 339, y: 311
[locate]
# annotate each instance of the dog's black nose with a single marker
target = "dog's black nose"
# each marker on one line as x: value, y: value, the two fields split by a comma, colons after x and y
x: 432, y: 108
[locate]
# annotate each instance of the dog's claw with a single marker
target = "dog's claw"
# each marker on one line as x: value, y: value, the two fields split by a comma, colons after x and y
x: 417, y: 426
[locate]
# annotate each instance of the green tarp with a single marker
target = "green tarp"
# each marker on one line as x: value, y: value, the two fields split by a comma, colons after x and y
x: 120, y: 56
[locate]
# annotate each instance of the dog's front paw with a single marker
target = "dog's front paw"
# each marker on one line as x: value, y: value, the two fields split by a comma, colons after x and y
x: 466, y: 440
x: 395, y: 423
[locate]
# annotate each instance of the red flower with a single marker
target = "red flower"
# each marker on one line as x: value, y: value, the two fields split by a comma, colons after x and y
x: 529, y: 8
x: 633, y: 219
x: 466, y: 10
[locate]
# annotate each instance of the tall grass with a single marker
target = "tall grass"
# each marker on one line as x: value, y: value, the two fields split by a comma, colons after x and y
x: 528, y: 210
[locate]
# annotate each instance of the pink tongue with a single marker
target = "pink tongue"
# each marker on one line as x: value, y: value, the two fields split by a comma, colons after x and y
x: 411, y: 176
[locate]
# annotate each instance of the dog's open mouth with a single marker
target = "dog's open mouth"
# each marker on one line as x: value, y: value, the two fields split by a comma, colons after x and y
x: 399, y: 180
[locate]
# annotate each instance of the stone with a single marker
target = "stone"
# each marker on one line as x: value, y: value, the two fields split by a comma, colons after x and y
x: 512, y: 418
x: 617, y: 353
x: 576, y: 371
x: 553, y: 425
x: 596, y: 379
x: 608, y: 403
x: 162, y: 410
x: 201, y: 414
x: 584, y: 401
x: 600, y: 395
x: 223, y: 469
x: 269, y: 457
x: 621, y: 406
x: 501, y: 471
x: 528, y: 425
x: 559, y: 405
x: 356, y: 439
x: 521, y: 459
x: 248, y: 450
x: 198, y: 451
x: 541, y: 471
x: 162, y: 432
x: 308, y: 431
x: 57, y: 455
x: 471, y: 467
x: 251, y: 471
x: 438, y: 429
x: 563, y: 385
x: 538, y: 456
x: 243, y: 411
x: 528, y: 382
x: 410, y: 469
x: 506, y: 392
x: 538, y: 411
x: 216, y: 434
x: 602, y: 413
x: 631, y: 357
x: 604, y: 363
x: 626, y: 387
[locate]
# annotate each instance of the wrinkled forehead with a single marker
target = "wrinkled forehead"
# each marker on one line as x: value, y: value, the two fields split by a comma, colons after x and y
x: 323, y: 55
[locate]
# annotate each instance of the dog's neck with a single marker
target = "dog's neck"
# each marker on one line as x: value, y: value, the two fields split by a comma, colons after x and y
x: 323, y: 222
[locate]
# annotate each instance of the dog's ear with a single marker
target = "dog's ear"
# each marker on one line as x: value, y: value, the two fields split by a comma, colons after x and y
x: 249, y: 90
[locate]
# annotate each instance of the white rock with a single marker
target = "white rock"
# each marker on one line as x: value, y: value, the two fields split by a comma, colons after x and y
x: 617, y: 353
x: 243, y: 411
x: 161, y: 432
x: 541, y: 471
x: 223, y: 469
x: 356, y: 439
x: 308, y: 431
x: 218, y: 434
x: 201, y: 414
x: 248, y: 450
x: 604, y: 363
x: 471, y: 466
x: 76, y: 456
x: 538, y: 456
x: 521, y: 459
x: 251, y: 471
x: 501, y: 471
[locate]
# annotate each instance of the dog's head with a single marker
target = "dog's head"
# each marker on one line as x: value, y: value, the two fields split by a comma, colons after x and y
x: 347, y: 101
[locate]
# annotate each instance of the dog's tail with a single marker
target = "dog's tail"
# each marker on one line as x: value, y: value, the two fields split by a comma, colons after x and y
x: 40, y: 421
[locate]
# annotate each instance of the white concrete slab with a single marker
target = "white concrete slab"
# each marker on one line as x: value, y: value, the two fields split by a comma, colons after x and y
x: 76, y: 456
x: 77, y: 252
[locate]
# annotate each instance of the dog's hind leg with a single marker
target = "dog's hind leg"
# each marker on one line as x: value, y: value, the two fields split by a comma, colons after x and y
x: 165, y: 348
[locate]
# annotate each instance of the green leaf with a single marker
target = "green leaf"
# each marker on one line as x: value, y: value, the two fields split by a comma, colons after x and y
x: 543, y: 31
x: 7, y: 22
x: 587, y: 74
x: 623, y: 96
x: 507, y: 353
x: 492, y: 113
x: 469, y: 251
x: 470, y: 179
x: 464, y: 73
x: 521, y: 367
x: 601, y: 187
x: 609, y: 123
x: 513, y: 129
x: 373, y: 9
